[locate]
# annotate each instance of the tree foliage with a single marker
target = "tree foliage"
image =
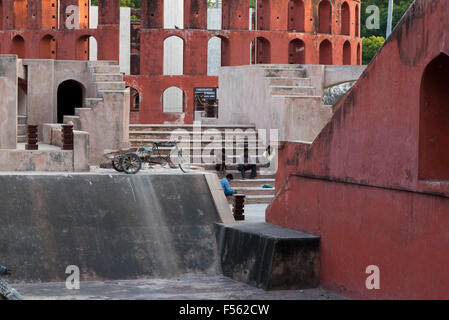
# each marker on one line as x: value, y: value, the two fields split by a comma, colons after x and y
x: 399, y: 8
x: 123, y: 3
x: 371, y: 46
x: 373, y: 39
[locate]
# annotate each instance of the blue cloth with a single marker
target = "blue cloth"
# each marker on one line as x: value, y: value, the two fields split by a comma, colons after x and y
x: 226, y: 187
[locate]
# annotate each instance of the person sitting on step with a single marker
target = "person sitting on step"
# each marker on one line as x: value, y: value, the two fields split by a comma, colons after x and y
x: 244, y: 165
x: 228, y: 191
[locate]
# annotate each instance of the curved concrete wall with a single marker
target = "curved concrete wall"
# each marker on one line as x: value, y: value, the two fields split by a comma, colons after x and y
x: 110, y: 226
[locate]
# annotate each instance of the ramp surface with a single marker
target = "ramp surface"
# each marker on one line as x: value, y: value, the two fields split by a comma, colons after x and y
x: 111, y: 226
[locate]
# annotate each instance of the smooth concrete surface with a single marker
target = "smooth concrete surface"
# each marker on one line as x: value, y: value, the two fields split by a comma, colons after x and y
x: 187, y: 287
x: 8, y: 101
x: 112, y: 226
x: 55, y: 160
x: 246, y: 97
x: 268, y: 256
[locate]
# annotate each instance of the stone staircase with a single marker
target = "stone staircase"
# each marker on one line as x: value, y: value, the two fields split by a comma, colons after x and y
x: 102, y: 115
x: 21, y: 129
x: 289, y: 81
x: 206, y: 139
x: 107, y: 78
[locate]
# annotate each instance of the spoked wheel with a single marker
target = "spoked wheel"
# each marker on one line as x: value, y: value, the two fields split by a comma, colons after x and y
x: 116, y: 163
x: 131, y: 163
x: 183, y: 162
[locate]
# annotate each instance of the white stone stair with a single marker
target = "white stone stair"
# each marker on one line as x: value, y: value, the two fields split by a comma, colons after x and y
x: 195, y: 140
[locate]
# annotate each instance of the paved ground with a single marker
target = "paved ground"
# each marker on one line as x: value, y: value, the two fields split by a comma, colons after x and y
x: 185, y: 288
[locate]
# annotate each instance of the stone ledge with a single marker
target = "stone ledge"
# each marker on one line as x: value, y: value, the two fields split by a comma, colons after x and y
x: 267, y: 256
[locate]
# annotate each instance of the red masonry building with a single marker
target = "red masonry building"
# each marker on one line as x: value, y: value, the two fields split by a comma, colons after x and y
x: 297, y: 32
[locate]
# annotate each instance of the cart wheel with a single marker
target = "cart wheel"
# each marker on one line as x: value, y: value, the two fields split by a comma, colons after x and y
x: 183, y: 162
x: 131, y: 163
x: 116, y: 163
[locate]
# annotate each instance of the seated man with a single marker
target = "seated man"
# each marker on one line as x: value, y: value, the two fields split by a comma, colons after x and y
x: 244, y: 165
x: 225, y: 185
x: 221, y: 162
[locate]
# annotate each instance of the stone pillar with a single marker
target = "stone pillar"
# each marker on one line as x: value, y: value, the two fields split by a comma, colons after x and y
x: 152, y: 14
x: 8, y: 102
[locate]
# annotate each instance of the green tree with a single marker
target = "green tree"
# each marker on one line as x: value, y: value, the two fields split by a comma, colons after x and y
x: 371, y: 46
x: 373, y: 39
x: 123, y: 3
x: 399, y: 8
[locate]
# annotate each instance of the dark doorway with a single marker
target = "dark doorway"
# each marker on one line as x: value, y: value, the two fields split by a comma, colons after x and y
x: 345, y: 19
x: 296, y: 52
x: 260, y: 51
x: 347, y: 53
x: 325, y: 17
x: 70, y: 96
x: 434, y: 121
x: 326, y: 52
x: 296, y: 16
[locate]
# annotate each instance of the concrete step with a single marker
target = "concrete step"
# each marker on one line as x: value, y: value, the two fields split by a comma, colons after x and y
x: 296, y: 82
x: 21, y: 129
x: 22, y: 119
x: 108, y: 77
x: 92, y: 102
x: 274, y: 258
x: 203, y: 127
x: 285, y: 73
x: 102, y: 86
x: 293, y: 90
x: 21, y: 138
x: 282, y: 66
x: 204, y: 142
x: 182, y: 135
x: 102, y: 62
x: 101, y: 68
x: 258, y: 182
x: 255, y: 199
x: 256, y: 191
x: 76, y: 121
x: 230, y: 151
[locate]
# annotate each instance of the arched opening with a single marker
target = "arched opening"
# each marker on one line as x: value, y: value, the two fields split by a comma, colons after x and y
x: 325, y: 17
x: 70, y: 97
x: 174, y: 14
x: 214, y: 15
x: 22, y: 98
x: 345, y: 19
x: 263, y: 15
x: 296, y: 16
x: 1, y: 15
x: 357, y: 21
x: 434, y: 121
x: 347, y: 53
x: 134, y: 97
x: 326, y: 52
x: 20, y: 14
x: 260, y: 51
x: 297, y: 52
x: 18, y: 46
x: 173, y: 100
x: 213, y: 56
x: 93, y: 49
x: 359, y: 55
x: 47, y: 47
x: 173, y: 56
x: 225, y: 55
